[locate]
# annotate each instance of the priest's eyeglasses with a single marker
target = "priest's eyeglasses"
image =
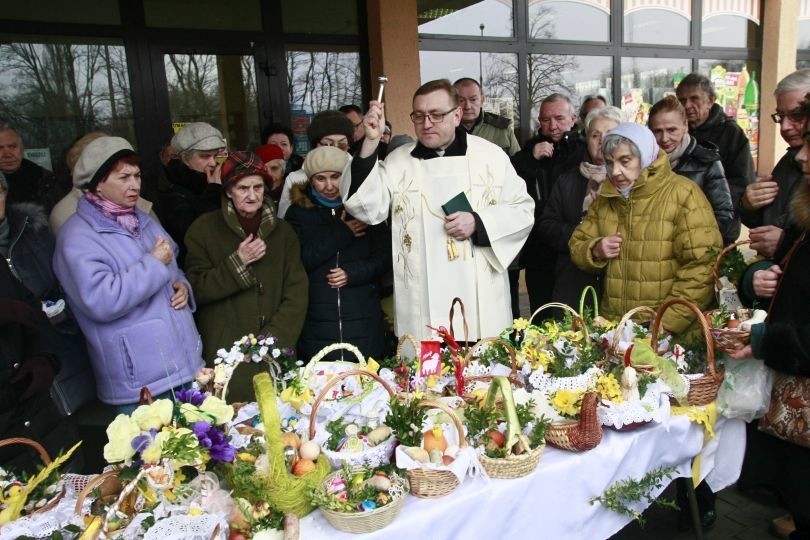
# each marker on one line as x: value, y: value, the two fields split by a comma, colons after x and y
x: 418, y: 117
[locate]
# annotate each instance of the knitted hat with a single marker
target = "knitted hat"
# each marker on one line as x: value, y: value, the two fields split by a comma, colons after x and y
x: 329, y: 123
x: 241, y: 164
x: 323, y: 159
x: 269, y: 152
x: 198, y: 136
x: 97, y: 159
x: 639, y: 135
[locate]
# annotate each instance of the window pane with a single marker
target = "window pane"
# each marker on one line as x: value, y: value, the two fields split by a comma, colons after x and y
x: 646, y: 80
x: 320, y: 17
x: 220, y: 90
x: 56, y: 92
x: 736, y: 85
x: 203, y: 14
x: 575, y: 76
x: 482, y: 18
x: 803, y: 35
x: 320, y: 80
x: 729, y: 31
x: 500, y: 83
x: 554, y: 19
x: 656, y: 26
x: 77, y: 11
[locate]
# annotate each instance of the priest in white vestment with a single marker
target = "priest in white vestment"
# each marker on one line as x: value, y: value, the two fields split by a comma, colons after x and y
x: 440, y: 254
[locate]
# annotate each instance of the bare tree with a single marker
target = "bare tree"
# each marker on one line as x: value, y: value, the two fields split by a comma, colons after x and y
x: 320, y: 80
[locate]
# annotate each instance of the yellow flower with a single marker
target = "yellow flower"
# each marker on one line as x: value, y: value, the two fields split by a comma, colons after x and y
x: 608, y: 387
x: 221, y: 411
x: 567, y: 402
x: 120, y: 433
x: 245, y: 456
x: 153, y: 452
x: 291, y: 396
x: 154, y: 416
x: 520, y: 324
x: 372, y: 366
x: 431, y: 381
x: 195, y: 510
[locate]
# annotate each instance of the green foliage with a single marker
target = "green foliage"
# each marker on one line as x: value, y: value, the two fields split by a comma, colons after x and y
x: 732, y: 266
x: 357, y: 491
x: 622, y: 493
x: 336, y: 431
x: 405, y: 420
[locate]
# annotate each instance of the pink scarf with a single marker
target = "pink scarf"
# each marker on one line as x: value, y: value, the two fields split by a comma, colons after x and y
x: 126, y: 217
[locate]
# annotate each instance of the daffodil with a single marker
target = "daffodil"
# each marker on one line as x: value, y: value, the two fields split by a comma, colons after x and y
x: 520, y: 324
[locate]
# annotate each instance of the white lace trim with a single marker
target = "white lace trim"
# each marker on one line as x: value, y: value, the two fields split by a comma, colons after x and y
x: 653, y: 407
x: 546, y: 383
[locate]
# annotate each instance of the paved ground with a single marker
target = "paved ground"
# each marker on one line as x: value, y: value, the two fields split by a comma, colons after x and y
x: 740, y: 517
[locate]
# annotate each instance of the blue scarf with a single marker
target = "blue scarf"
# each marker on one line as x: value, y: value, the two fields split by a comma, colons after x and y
x: 323, y: 201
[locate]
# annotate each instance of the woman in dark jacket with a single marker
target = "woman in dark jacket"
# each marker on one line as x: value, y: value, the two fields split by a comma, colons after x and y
x: 570, y: 198
x: 783, y: 343
x: 698, y: 162
x: 344, y: 258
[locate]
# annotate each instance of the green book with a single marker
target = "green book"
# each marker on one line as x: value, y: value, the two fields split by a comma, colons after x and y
x: 459, y: 203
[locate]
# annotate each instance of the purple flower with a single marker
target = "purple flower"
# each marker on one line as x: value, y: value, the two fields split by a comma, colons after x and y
x: 193, y: 396
x: 141, y: 442
x: 215, y: 440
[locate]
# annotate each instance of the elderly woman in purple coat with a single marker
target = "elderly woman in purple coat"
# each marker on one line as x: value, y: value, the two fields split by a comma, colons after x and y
x: 117, y: 267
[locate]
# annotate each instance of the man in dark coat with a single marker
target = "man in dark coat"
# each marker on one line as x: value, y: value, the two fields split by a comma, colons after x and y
x: 764, y: 207
x: 27, y: 181
x: 557, y: 148
x: 708, y: 123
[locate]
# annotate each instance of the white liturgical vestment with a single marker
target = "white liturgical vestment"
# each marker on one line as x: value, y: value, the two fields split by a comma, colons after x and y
x: 425, y: 278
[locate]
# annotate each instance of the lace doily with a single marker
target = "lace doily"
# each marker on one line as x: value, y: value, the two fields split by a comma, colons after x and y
x: 42, y: 525
x: 373, y: 457
x: 187, y: 527
x: 653, y: 407
x: 546, y: 383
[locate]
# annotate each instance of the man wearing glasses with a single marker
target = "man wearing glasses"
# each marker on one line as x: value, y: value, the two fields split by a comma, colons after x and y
x: 328, y: 128
x: 459, y: 215
x: 765, y: 204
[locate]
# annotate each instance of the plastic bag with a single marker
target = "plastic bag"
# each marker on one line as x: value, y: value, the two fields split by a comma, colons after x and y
x: 746, y: 389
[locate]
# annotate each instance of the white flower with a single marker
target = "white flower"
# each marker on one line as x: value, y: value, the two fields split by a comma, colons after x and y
x: 222, y: 353
x: 270, y: 340
x: 276, y: 353
x: 263, y: 350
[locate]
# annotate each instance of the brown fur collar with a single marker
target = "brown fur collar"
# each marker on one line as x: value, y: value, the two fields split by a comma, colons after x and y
x: 800, y: 206
x: 299, y: 195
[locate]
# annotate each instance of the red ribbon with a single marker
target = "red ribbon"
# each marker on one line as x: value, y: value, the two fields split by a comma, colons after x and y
x: 454, y: 347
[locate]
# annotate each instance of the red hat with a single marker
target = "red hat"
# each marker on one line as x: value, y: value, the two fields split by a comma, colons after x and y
x: 241, y: 164
x: 269, y: 152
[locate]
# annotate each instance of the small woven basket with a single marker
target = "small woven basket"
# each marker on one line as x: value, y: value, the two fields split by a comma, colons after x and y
x: 435, y: 483
x: 578, y: 435
x: 728, y: 340
x: 578, y: 321
x: 702, y: 389
x: 375, y: 456
x: 46, y: 460
x: 373, y: 520
x: 512, y: 466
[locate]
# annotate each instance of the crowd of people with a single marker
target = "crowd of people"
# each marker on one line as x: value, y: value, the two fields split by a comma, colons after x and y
x: 105, y: 293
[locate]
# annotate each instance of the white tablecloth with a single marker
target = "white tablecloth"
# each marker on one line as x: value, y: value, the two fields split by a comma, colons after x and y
x: 552, y: 502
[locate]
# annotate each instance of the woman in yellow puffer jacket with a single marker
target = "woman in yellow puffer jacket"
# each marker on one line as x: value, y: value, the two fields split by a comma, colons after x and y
x: 651, y: 231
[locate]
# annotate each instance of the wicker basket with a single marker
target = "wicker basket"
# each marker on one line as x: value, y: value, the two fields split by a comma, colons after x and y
x: 434, y: 483
x: 512, y: 466
x: 46, y: 460
x: 702, y: 389
x: 578, y: 435
x: 373, y: 520
x: 613, y: 354
x: 728, y: 340
x: 513, y: 374
x: 376, y: 456
x: 281, y: 489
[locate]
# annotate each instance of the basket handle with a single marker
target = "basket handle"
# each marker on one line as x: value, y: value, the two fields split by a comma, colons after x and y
x: 332, y: 382
x: 578, y: 320
x: 614, y: 351
x: 92, y: 484
x: 707, y: 336
x: 361, y: 360
x: 458, y: 301
x: 43, y: 454
x: 725, y: 251
x: 462, y: 442
x: 594, y: 297
x: 406, y: 338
